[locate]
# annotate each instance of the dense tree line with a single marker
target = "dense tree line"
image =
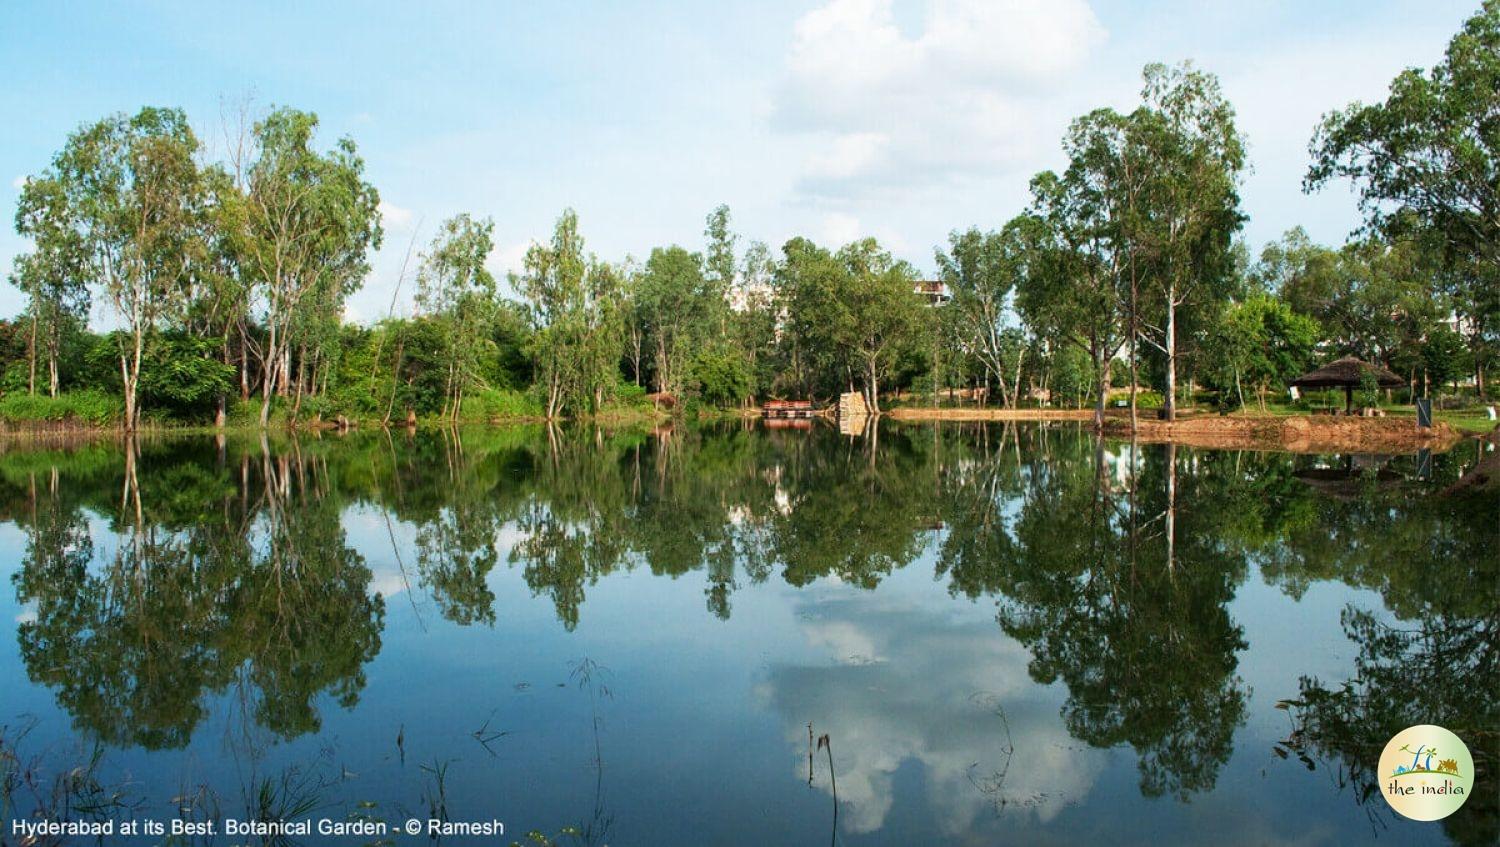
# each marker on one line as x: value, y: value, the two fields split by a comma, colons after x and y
x: 226, y: 280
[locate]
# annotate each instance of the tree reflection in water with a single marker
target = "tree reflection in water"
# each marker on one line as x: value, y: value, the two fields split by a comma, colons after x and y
x: 199, y: 588
x: 1435, y: 566
x: 1121, y: 591
x: 164, y: 572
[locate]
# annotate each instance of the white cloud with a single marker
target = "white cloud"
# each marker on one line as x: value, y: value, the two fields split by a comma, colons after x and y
x: 508, y: 258
x: 839, y: 229
x: 848, y: 155
x: 394, y: 217
x: 505, y: 260
x: 18, y: 183
x: 353, y: 313
x: 959, y: 97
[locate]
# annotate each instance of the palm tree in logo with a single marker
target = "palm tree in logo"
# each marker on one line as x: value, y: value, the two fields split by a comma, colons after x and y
x: 1417, y: 757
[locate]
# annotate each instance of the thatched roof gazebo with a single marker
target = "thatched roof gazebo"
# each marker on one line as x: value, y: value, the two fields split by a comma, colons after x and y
x: 1347, y: 373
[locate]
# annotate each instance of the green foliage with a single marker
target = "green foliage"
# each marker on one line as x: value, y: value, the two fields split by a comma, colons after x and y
x: 456, y: 289
x: 94, y: 408
x: 122, y: 203
x: 1195, y: 160
x: 719, y: 261
x: 1306, y: 275
x: 630, y: 394
x: 1444, y: 356
x: 1260, y: 342
x: 1134, y: 240
x: 980, y: 270
x: 673, y: 297
x: 57, y: 297
x: 183, y: 377
x: 1429, y: 148
x: 723, y: 376
x: 302, y: 229
x: 1149, y: 399
x: 1369, y: 390
x: 508, y: 364
x: 850, y: 316
x: 1376, y: 299
x: 1425, y: 161
x: 226, y: 274
x: 246, y: 413
x: 1072, y: 375
x: 574, y: 304
x: 490, y: 404
x: 1074, y: 290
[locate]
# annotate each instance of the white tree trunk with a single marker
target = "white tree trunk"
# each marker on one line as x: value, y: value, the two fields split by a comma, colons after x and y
x: 1169, y: 404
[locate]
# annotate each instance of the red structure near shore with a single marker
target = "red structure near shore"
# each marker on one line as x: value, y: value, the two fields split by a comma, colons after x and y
x: 788, y: 409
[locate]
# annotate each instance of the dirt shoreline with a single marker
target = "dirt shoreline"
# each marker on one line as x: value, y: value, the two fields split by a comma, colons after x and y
x: 909, y: 413
x: 1294, y: 434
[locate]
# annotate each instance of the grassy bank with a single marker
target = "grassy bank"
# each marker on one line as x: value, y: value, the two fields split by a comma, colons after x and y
x: 1470, y: 419
x: 87, y: 409
x: 86, y: 412
x: 98, y: 412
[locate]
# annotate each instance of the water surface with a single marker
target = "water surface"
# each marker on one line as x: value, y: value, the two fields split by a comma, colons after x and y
x: 1007, y: 634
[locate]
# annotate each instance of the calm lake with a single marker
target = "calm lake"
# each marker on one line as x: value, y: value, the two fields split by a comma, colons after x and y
x: 1008, y: 634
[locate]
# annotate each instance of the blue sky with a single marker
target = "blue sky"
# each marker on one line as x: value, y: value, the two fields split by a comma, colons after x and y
x: 840, y: 119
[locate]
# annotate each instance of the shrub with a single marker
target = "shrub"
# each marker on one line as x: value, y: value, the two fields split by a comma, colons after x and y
x: 246, y: 413
x: 316, y: 406
x: 89, y: 407
x: 353, y: 400
x: 183, y: 377
x: 723, y: 377
x: 630, y: 394
x: 493, y: 403
x: 243, y: 412
x: 1149, y: 399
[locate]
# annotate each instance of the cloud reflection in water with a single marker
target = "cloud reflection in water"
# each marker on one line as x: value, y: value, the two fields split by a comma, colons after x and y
x: 909, y: 683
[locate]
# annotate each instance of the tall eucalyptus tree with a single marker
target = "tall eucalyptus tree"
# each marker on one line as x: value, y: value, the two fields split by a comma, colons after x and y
x: 882, y: 313
x: 576, y: 307
x: 1072, y: 291
x: 981, y: 270
x: 455, y: 287
x: 307, y: 222
x: 1197, y: 159
x: 122, y: 199
x: 53, y: 276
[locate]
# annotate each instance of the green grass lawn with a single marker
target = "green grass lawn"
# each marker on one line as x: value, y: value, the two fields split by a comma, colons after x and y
x: 1473, y: 420
x: 1467, y: 420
